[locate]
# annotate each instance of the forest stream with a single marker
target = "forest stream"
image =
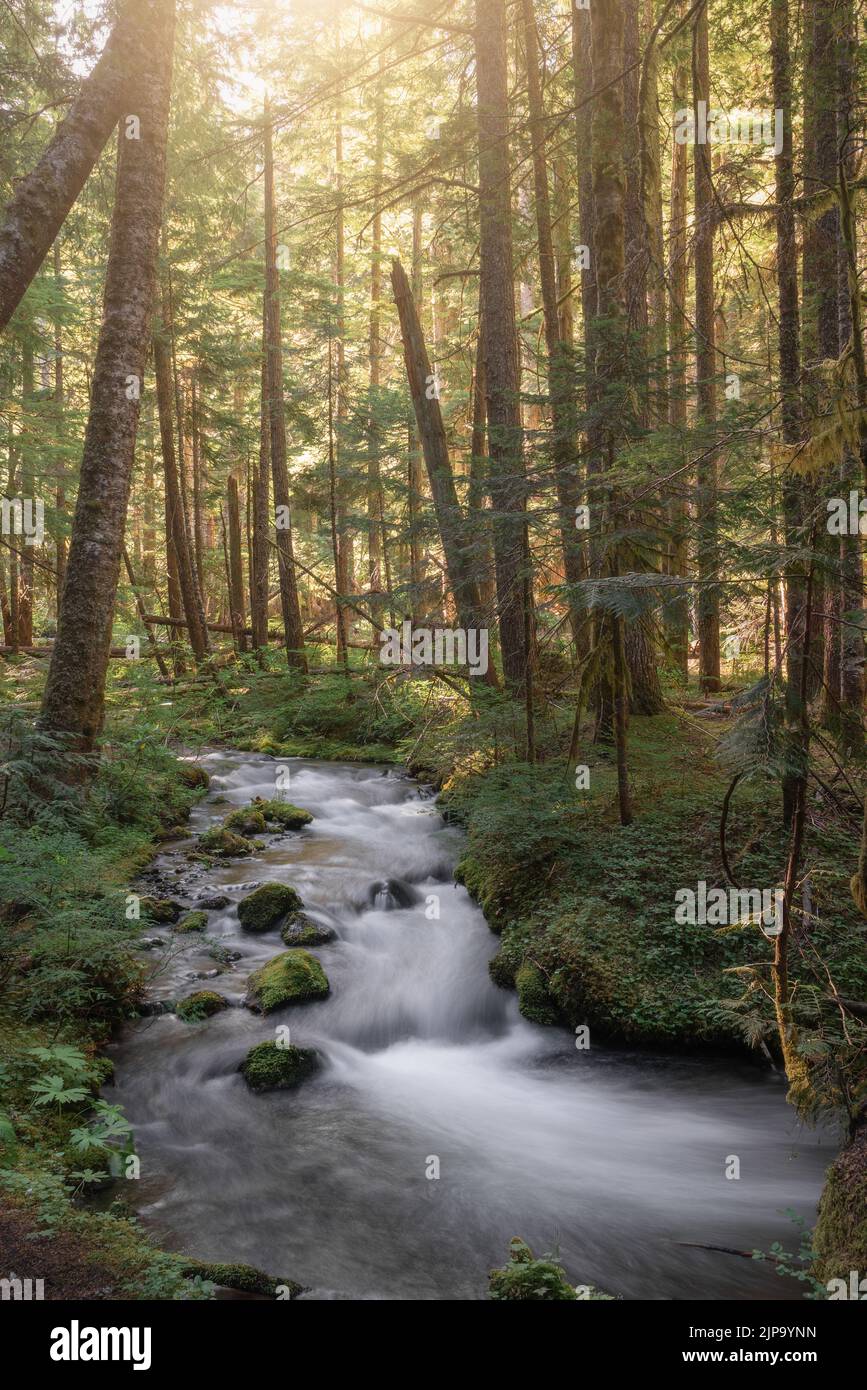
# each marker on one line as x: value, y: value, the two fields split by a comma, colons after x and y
x: 615, y: 1158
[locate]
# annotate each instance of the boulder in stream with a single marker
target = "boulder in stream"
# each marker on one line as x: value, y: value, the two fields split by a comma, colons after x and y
x: 201, y: 1005
x: 267, y: 905
x: 290, y: 978
x: 301, y: 930
x: 224, y: 844
x: 268, y: 1067
x: 281, y: 813
x: 194, y: 921
x: 246, y: 820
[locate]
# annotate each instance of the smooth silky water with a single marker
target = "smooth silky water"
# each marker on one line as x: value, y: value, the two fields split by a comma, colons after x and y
x: 613, y: 1158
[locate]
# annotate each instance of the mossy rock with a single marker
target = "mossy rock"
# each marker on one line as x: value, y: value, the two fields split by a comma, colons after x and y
x: 268, y: 1067
x: 267, y: 905
x: 171, y: 832
x: 246, y: 821
x: 201, y: 1005
x: 161, y: 909
x: 534, y: 1000
x: 301, y: 930
x: 290, y: 978
x: 224, y: 844
x: 840, y: 1237
x: 194, y: 921
x: 281, y: 813
x: 192, y: 775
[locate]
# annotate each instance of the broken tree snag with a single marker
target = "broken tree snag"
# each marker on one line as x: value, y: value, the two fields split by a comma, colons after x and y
x: 289, y: 602
x: 73, y: 703
x: 38, y: 207
x: 452, y: 524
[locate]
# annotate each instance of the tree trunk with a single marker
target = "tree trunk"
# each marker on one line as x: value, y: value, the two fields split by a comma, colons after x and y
x: 706, y: 365
x: 415, y: 468
x: 236, y: 565
x: 677, y: 613
x: 851, y: 688
x: 75, y: 689
x: 375, y: 533
x: 563, y: 414
x: 261, y: 491
x: 611, y: 360
x: 340, y: 612
x: 292, y: 625
x: 28, y: 489
x: 189, y: 594
x: 199, y: 546
x: 42, y: 199
x: 346, y: 546
x: 502, y: 384
x: 59, y: 494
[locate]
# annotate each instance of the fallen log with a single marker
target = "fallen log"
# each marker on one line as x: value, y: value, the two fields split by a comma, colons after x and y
x: 273, y: 633
x: 117, y: 653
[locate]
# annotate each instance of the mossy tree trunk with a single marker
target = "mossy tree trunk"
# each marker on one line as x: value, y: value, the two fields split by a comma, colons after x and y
x: 74, y: 696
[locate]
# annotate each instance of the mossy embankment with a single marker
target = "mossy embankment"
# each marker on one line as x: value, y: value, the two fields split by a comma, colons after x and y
x: 69, y: 976
x: 585, y: 907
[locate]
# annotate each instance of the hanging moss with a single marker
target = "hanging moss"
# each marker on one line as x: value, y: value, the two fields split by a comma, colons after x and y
x: 534, y: 1000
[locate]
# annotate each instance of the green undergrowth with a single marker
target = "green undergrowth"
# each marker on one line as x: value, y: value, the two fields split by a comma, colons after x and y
x: 68, y: 976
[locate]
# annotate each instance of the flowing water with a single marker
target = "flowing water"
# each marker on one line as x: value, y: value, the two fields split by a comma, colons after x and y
x: 617, y: 1159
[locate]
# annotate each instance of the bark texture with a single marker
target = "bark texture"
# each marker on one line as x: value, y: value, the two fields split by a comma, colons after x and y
x: 75, y: 690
